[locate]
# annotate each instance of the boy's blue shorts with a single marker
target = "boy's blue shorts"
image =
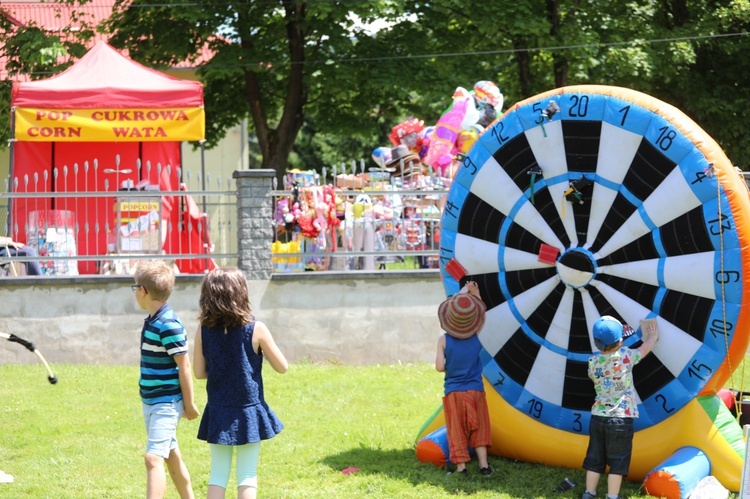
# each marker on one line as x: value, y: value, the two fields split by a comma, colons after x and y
x: 610, y: 443
x: 161, y: 426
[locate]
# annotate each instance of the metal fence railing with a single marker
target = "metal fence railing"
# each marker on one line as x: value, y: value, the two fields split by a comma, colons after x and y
x: 357, y: 221
x: 73, y: 229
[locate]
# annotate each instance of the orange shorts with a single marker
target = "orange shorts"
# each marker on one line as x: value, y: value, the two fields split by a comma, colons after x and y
x: 467, y: 423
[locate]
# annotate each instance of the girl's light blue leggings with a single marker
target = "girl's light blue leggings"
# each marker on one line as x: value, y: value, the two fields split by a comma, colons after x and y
x: 246, y: 467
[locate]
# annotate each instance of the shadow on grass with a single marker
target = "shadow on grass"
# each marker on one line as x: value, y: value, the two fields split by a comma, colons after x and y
x: 517, y: 479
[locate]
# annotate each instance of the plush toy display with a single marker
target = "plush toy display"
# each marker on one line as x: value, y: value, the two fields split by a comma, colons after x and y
x: 440, y: 145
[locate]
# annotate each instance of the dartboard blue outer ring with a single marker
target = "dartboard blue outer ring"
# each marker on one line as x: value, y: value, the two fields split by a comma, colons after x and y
x: 655, y: 185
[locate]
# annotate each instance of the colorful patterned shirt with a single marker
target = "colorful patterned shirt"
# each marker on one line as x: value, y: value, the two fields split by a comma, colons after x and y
x: 612, y: 375
x: 163, y: 336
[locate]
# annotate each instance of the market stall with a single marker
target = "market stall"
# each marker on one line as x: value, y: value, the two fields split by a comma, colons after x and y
x: 105, y: 124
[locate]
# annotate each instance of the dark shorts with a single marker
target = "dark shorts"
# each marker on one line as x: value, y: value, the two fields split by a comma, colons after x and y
x: 610, y: 444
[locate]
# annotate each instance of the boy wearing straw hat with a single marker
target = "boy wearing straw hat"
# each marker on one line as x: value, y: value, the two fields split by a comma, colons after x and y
x: 467, y: 418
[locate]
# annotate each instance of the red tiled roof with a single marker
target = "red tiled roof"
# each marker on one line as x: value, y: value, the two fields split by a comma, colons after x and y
x: 55, y: 17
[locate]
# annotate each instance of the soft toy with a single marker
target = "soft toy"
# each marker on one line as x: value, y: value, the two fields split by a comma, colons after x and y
x: 487, y: 115
x: 486, y: 92
x: 382, y: 211
x: 425, y: 135
x: 340, y: 207
x: 489, y: 102
x: 329, y: 198
x: 281, y: 212
x: 472, y: 113
x: 443, y: 139
x: 321, y: 210
x: 466, y: 139
x: 362, y: 206
x: 306, y: 226
x: 407, y: 133
x: 294, y: 213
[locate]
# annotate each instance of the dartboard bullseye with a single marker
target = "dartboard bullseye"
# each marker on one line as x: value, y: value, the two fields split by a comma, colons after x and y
x: 614, y: 204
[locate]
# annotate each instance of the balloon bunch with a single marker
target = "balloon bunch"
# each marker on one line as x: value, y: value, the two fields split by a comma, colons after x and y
x: 455, y: 132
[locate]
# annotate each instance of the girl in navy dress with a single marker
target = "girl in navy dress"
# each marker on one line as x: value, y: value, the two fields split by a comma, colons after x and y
x: 229, y: 349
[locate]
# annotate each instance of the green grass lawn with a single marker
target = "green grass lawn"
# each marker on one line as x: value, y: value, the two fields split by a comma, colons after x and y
x: 84, y: 437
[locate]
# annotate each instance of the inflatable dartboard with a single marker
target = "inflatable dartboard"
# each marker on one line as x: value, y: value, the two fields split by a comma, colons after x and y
x: 587, y: 201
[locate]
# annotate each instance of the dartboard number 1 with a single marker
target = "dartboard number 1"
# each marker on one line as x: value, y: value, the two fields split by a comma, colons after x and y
x: 624, y: 112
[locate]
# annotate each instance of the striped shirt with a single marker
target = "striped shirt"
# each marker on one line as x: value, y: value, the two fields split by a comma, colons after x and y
x: 163, y: 336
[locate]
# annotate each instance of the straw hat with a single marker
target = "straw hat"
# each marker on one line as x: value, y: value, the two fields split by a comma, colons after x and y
x: 462, y: 315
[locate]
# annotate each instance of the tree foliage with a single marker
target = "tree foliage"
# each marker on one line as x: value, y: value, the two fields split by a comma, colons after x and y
x: 320, y: 88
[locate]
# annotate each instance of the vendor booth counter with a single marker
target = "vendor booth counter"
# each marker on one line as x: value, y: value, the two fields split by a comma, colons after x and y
x: 52, y: 234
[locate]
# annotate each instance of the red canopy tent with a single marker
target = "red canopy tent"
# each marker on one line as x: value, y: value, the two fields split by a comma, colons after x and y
x: 105, y: 120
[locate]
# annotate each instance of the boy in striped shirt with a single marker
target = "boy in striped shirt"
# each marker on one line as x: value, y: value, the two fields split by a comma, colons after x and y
x: 166, y: 383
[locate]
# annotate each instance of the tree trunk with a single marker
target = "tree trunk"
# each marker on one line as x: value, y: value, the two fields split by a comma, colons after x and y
x: 276, y: 144
x: 559, y: 60
x: 524, y: 67
x: 679, y: 11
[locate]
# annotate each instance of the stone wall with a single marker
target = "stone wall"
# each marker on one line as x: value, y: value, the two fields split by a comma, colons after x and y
x: 349, y: 317
x: 367, y: 318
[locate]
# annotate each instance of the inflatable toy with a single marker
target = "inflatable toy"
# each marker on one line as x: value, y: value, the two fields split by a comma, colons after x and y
x: 636, y: 212
x: 487, y: 92
x: 407, y: 133
x: 440, y: 149
x: 679, y: 474
x: 381, y: 156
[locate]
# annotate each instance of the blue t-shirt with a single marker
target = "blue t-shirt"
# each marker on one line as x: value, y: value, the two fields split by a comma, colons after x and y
x: 162, y: 337
x: 463, y: 367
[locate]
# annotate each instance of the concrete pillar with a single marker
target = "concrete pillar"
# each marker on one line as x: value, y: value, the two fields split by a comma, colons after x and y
x: 255, y: 223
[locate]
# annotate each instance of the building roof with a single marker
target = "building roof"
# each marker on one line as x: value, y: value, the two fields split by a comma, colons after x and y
x: 55, y: 17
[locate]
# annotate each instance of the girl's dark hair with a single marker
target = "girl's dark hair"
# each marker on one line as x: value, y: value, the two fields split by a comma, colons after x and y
x: 224, y: 300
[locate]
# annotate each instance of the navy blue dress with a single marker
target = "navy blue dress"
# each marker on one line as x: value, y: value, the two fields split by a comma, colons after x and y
x: 236, y: 412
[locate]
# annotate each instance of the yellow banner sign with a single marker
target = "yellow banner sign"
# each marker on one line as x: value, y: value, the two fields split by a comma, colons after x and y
x: 109, y: 125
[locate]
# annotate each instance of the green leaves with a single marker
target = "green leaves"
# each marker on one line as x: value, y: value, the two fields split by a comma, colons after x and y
x: 355, y: 69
